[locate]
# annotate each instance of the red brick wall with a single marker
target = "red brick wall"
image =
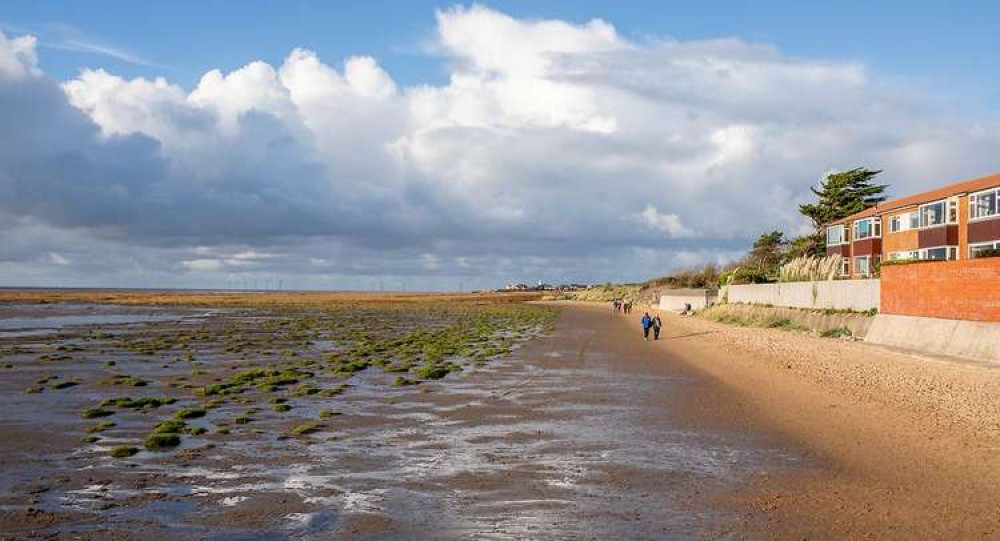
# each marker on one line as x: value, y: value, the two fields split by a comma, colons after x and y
x: 967, y: 289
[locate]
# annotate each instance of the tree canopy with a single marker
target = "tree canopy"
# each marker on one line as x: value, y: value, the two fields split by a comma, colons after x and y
x: 843, y: 194
x: 768, y: 252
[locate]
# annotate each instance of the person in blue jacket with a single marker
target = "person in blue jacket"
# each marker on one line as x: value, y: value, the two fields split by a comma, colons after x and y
x: 647, y: 322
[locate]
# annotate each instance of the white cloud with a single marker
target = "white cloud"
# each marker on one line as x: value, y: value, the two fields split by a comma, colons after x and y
x: 669, y: 224
x: 202, y: 265
x: 17, y: 57
x: 545, y: 135
x: 57, y: 259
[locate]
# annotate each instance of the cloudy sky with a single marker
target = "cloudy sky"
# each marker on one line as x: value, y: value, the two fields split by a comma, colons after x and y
x: 439, y: 146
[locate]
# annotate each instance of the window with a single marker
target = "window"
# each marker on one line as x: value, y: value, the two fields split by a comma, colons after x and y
x: 867, y: 228
x: 835, y: 235
x: 975, y: 249
x: 932, y: 214
x: 940, y: 253
x: 845, y: 266
x: 953, y: 210
x: 984, y: 204
x: 893, y: 256
x: 903, y: 222
x: 936, y: 254
x: 861, y: 267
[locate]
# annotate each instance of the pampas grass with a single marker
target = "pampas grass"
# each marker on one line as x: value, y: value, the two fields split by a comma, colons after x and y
x: 810, y: 269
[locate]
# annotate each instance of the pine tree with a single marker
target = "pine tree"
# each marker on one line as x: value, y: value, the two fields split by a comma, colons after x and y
x: 843, y: 194
x: 768, y: 252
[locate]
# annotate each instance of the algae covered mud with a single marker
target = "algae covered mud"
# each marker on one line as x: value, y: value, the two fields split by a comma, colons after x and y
x: 197, y: 414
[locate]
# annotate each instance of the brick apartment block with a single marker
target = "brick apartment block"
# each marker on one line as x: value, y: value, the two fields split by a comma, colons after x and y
x: 953, y: 223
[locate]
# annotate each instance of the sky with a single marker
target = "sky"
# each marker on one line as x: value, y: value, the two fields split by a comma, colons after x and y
x: 437, y: 146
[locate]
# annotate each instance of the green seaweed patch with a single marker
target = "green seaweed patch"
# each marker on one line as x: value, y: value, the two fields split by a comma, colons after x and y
x: 403, y: 382
x: 90, y: 439
x: 34, y: 389
x: 170, y: 426
x: 100, y: 427
x: 326, y: 414
x: 135, y: 403
x: 94, y: 413
x: 64, y: 384
x: 304, y: 390
x: 242, y: 419
x: 158, y: 441
x: 196, y: 430
x: 122, y: 379
x: 222, y: 430
x: 190, y: 413
x: 281, y: 408
x: 307, y: 428
x: 124, y: 451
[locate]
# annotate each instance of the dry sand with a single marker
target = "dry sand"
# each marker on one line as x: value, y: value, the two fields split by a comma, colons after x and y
x: 910, y: 445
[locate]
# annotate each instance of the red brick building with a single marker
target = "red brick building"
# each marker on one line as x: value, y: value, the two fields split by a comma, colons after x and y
x: 954, y: 222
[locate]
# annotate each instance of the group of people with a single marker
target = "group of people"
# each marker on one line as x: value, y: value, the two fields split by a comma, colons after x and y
x: 621, y: 306
x: 649, y: 323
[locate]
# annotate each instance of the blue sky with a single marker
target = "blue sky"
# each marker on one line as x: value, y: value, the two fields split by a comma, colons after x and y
x: 346, y: 144
x: 938, y: 46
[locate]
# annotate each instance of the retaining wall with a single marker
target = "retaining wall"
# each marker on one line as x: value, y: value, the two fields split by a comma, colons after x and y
x: 676, y: 299
x: 968, y: 339
x: 965, y: 289
x: 858, y: 295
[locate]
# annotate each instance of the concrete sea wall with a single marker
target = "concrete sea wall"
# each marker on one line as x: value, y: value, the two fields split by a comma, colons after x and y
x: 967, y: 339
x: 857, y: 295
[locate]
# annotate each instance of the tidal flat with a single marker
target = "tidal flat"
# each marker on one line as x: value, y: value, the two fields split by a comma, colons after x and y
x: 128, y: 413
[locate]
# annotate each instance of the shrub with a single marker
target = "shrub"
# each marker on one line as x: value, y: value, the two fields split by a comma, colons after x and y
x: 839, y: 332
x: 743, y: 275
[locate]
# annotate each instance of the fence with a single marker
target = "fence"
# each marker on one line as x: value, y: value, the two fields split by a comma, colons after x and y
x: 858, y: 295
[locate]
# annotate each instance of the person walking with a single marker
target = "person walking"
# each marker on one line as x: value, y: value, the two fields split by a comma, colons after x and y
x: 647, y: 322
x: 656, y: 326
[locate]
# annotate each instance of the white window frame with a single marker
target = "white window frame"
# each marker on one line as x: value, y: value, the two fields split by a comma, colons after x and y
x: 991, y: 245
x: 902, y: 222
x: 949, y: 251
x: 973, y: 199
x: 944, y: 215
x: 868, y: 265
x: 843, y: 235
x: 874, y: 228
x: 906, y: 255
x: 845, y: 266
